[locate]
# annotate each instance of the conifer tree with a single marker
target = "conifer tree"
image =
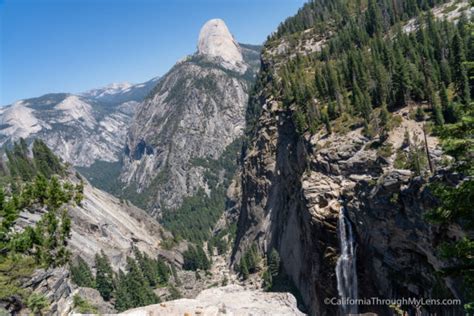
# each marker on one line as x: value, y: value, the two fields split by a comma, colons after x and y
x: 401, y: 80
x: 384, y: 118
x: 104, y: 276
x: 327, y: 123
x: 332, y: 111
x: 81, y: 274
x: 274, y: 262
x: 163, y: 271
x: 41, y: 188
x: 56, y: 196
x: 459, y: 69
x: 373, y: 18
x: 45, y: 161
x: 122, y: 298
x: 437, y: 111
x: 243, y: 267
x: 138, y: 289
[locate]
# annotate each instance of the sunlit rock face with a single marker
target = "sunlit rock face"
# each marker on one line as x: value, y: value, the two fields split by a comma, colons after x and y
x: 215, y: 40
x: 195, y: 112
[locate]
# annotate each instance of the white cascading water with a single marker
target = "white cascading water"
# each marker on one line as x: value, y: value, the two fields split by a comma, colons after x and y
x: 346, y: 269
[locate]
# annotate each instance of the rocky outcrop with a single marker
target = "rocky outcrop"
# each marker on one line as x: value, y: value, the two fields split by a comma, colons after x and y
x: 104, y: 223
x: 195, y: 112
x: 228, y: 300
x: 81, y: 128
x: 56, y: 286
x: 92, y: 296
x: 215, y: 41
x: 293, y: 187
x: 101, y: 223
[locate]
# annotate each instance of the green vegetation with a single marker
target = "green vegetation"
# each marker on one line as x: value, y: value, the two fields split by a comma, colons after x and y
x: 155, y: 271
x: 455, y: 203
x: 83, y: 306
x: 249, y: 262
x: 14, y: 269
x: 413, y: 156
x: 129, y: 289
x: 133, y: 289
x: 221, y: 240
x: 22, y: 167
x: 104, y: 276
x: 195, y: 258
x: 30, y: 183
x: 198, y: 214
x: 81, y: 274
x: 174, y: 293
x: 359, y: 69
x: 103, y: 175
x: 273, y: 269
x: 37, y: 303
x: 369, y: 66
x: 106, y: 176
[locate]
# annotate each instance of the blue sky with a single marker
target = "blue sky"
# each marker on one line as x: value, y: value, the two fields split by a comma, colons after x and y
x: 75, y: 45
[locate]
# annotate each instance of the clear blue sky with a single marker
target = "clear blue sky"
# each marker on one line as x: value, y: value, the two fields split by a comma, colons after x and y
x: 75, y: 45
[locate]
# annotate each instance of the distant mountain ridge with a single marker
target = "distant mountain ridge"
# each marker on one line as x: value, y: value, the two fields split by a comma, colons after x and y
x: 81, y: 128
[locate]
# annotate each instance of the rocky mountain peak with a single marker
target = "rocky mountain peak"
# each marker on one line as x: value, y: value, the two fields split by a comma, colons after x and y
x: 215, y: 40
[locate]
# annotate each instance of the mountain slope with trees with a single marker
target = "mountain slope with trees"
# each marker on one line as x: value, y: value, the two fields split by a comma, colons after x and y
x: 363, y: 106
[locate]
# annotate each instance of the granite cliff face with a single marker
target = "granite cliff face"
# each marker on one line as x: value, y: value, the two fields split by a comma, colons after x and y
x: 80, y: 128
x: 294, y: 184
x: 215, y: 41
x: 196, y: 111
x: 293, y: 188
x: 101, y: 223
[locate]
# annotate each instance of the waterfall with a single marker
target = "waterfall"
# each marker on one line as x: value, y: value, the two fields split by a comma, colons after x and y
x: 346, y: 270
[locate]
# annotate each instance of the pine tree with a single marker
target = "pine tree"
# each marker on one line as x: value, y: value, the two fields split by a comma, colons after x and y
x: 366, y: 107
x: 401, y: 80
x: 38, y: 303
x: 267, y: 280
x: 420, y: 114
x: 138, y: 289
x: 19, y: 163
x: 243, y: 267
x: 203, y: 261
x: 327, y: 123
x: 104, y: 276
x: 332, y: 82
x: 190, y: 258
x: 384, y: 118
x: 438, y: 115
x: 10, y: 214
x: 122, y: 298
x: 148, y: 267
x: 460, y: 78
x: 81, y: 274
x: 381, y: 84
x: 40, y: 188
x: 443, y: 95
x: 45, y: 161
x: 56, y: 196
x: 373, y: 18
x: 274, y: 262
x: 455, y: 204
x: 163, y: 271
x: 332, y: 112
